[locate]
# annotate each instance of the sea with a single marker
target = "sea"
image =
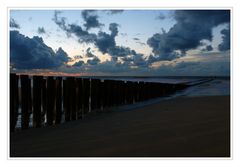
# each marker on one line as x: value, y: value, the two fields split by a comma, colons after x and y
x: 198, y: 86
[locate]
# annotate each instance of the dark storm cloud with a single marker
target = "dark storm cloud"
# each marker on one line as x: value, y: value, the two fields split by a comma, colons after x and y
x: 60, y: 21
x: 151, y: 59
x: 113, y: 27
x: 109, y: 67
x: 141, y: 43
x: 89, y: 53
x: 121, y: 51
x: 225, y: 45
x: 41, y: 30
x: 78, y: 57
x: 83, y: 35
x: 112, y: 12
x: 123, y: 34
x: 136, y: 39
x: 135, y: 60
x: 79, y: 63
x: 105, y: 42
x: 14, y: 24
x: 191, y: 27
x: 61, y: 55
x: 91, y: 19
x: 208, y: 48
x: 33, y: 53
x: 139, y: 61
x: 93, y: 61
x: 161, y: 16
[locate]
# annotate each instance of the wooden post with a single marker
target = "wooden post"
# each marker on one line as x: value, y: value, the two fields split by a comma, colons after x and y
x: 117, y: 92
x: 121, y: 92
x: 101, y: 94
x: 72, y: 97
x: 25, y: 91
x: 13, y: 101
x: 50, y: 100
x: 141, y: 93
x: 58, y: 100
x: 44, y: 100
x: 104, y: 93
x: 130, y: 92
x: 79, y: 98
x: 136, y: 92
x: 95, y: 94
x: 112, y: 98
x: 66, y: 100
x: 86, y: 94
x: 37, y: 84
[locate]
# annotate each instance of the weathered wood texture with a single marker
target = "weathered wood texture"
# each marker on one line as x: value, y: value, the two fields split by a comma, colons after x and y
x: 71, y: 98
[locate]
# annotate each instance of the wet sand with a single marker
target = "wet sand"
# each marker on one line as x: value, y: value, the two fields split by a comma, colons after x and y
x: 181, y: 127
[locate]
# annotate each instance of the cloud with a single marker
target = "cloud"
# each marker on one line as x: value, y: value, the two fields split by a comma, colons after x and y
x: 123, y: 34
x: 141, y: 43
x: 78, y: 57
x: 93, y: 61
x: 61, y: 55
x: 14, y: 24
x: 78, y: 64
x: 81, y: 34
x: 33, y: 53
x: 113, y: 27
x: 41, y: 30
x: 225, y: 45
x: 218, y: 65
x: 91, y: 19
x: 121, y: 51
x: 113, y: 12
x: 161, y: 16
x: 202, y: 64
x: 110, y: 67
x: 152, y: 58
x: 139, y: 61
x: 136, y: 39
x: 208, y: 48
x: 105, y: 42
x: 60, y: 21
x: 89, y: 53
x: 191, y: 27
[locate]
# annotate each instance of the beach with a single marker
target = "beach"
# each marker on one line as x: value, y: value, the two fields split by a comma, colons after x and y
x: 179, y: 127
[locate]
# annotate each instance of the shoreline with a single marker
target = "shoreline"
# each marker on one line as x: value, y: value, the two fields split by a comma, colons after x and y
x: 179, y: 127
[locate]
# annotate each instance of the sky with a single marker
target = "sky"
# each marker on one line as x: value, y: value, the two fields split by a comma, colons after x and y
x: 120, y: 42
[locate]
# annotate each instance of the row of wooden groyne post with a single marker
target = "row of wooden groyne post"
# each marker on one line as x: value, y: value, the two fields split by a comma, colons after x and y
x: 51, y: 99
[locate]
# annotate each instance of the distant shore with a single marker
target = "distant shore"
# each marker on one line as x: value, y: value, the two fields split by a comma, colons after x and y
x: 181, y: 127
